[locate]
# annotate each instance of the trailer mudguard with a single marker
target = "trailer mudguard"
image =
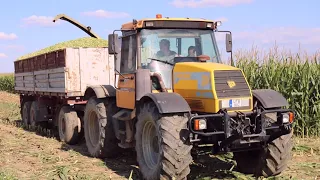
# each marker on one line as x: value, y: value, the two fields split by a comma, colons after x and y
x: 100, y: 91
x: 167, y: 102
x: 269, y: 98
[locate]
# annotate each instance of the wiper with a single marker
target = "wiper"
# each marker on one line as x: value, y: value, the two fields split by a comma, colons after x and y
x: 166, y: 62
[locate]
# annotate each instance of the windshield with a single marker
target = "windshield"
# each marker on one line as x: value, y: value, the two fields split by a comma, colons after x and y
x: 161, y: 48
x: 166, y: 44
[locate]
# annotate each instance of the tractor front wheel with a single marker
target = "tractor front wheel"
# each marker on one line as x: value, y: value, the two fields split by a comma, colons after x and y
x: 269, y: 161
x: 161, y: 144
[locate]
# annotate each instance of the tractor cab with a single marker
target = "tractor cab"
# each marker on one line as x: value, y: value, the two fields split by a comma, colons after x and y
x: 159, y: 43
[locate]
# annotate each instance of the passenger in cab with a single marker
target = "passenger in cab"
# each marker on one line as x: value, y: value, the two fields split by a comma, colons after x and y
x: 191, y: 51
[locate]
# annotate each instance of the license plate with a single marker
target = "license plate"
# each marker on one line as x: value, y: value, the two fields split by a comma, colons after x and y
x: 232, y: 103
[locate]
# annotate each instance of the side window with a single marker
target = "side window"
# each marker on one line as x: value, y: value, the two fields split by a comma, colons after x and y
x: 207, y: 46
x: 128, y: 54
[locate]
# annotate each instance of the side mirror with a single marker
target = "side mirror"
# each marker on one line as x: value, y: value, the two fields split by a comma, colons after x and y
x: 228, y: 43
x: 113, y: 44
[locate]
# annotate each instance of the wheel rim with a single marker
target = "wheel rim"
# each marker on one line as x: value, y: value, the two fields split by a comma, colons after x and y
x: 93, y: 128
x: 150, y: 144
x: 25, y: 115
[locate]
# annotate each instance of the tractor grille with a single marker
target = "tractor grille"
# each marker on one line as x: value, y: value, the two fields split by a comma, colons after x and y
x: 241, y: 88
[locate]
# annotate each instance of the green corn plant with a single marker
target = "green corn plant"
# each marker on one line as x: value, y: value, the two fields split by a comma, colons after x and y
x: 7, y: 83
x: 296, y: 76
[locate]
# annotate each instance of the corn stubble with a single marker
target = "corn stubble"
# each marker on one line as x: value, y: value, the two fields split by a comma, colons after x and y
x: 85, y: 42
x: 297, y: 77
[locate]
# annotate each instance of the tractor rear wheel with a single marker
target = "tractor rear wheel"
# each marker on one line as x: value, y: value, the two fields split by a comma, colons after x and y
x: 269, y: 161
x: 100, y: 139
x: 161, y: 144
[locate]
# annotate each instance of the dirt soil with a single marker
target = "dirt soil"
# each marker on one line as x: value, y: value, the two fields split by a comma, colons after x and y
x: 26, y: 154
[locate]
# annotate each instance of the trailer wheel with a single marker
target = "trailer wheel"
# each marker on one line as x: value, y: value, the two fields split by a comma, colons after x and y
x: 69, y: 125
x: 270, y: 161
x: 95, y: 122
x: 162, y: 150
x: 26, y: 113
x: 34, y: 115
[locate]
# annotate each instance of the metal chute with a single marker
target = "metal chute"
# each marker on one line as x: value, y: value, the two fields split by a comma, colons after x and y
x: 86, y: 29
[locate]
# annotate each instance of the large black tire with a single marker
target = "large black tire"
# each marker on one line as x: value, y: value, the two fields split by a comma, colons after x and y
x: 34, y: 114
x: 111, y: 141
x: 270, y: 161
x: 98, y: 142
x: 26, y: 113
x: 169, y: 139
x: 69, y: 125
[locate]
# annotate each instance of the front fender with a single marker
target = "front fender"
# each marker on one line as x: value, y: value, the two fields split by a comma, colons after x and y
x: 270, y: 98
x: 167, y: 102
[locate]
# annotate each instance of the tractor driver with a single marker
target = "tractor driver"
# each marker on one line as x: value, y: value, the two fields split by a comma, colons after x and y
x: 165, y: 53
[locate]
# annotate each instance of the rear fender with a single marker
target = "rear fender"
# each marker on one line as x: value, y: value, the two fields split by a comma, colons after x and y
x: 270, y: 98
x: 100, y: 91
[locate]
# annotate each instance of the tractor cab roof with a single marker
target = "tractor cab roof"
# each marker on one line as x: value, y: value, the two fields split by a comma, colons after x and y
x: 166, y: 22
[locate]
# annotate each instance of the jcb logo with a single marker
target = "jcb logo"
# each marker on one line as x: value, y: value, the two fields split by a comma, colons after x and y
x: 231, y: 84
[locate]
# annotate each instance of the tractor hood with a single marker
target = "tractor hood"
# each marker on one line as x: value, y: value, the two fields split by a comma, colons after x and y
x: 209, y: 87
x: 208, y: 67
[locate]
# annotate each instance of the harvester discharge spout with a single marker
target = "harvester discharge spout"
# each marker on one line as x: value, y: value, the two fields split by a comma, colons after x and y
x: 86, y: 29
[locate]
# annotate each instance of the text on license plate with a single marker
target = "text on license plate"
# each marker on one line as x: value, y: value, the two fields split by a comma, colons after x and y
x: 230, y: 103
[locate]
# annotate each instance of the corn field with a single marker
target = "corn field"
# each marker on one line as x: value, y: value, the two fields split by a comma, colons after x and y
x: 7, y: 83
x: 296, y: 76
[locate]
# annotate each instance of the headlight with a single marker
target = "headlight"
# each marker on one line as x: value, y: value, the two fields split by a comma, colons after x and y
x: 209, y: 25
x: 149, y: 23
x: 218, y: 23
x: 285, y: 118
x: 200, y: 124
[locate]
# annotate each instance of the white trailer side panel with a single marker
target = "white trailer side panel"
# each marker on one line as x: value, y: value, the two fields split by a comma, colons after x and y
x: 83, y: 67
x: 96, y: 68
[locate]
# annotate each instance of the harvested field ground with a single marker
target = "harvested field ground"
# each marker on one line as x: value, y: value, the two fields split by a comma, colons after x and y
x: 25, y: 154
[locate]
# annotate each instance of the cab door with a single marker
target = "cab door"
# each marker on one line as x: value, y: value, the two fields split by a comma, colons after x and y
x: 126, y: 90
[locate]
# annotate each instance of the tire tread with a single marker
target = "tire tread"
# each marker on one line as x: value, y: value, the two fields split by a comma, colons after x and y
x: 175, y: 153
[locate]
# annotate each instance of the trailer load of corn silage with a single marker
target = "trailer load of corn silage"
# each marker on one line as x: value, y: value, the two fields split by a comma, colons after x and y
x: 67, y: 67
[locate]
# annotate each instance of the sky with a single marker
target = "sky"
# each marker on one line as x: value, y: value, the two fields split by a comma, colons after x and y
x: 26, y: 26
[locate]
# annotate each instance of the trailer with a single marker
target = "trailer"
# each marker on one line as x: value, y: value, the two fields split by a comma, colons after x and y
x: 52, y: 86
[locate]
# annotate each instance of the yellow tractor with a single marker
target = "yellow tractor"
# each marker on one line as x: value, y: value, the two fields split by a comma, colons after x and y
x: 174, y: 94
